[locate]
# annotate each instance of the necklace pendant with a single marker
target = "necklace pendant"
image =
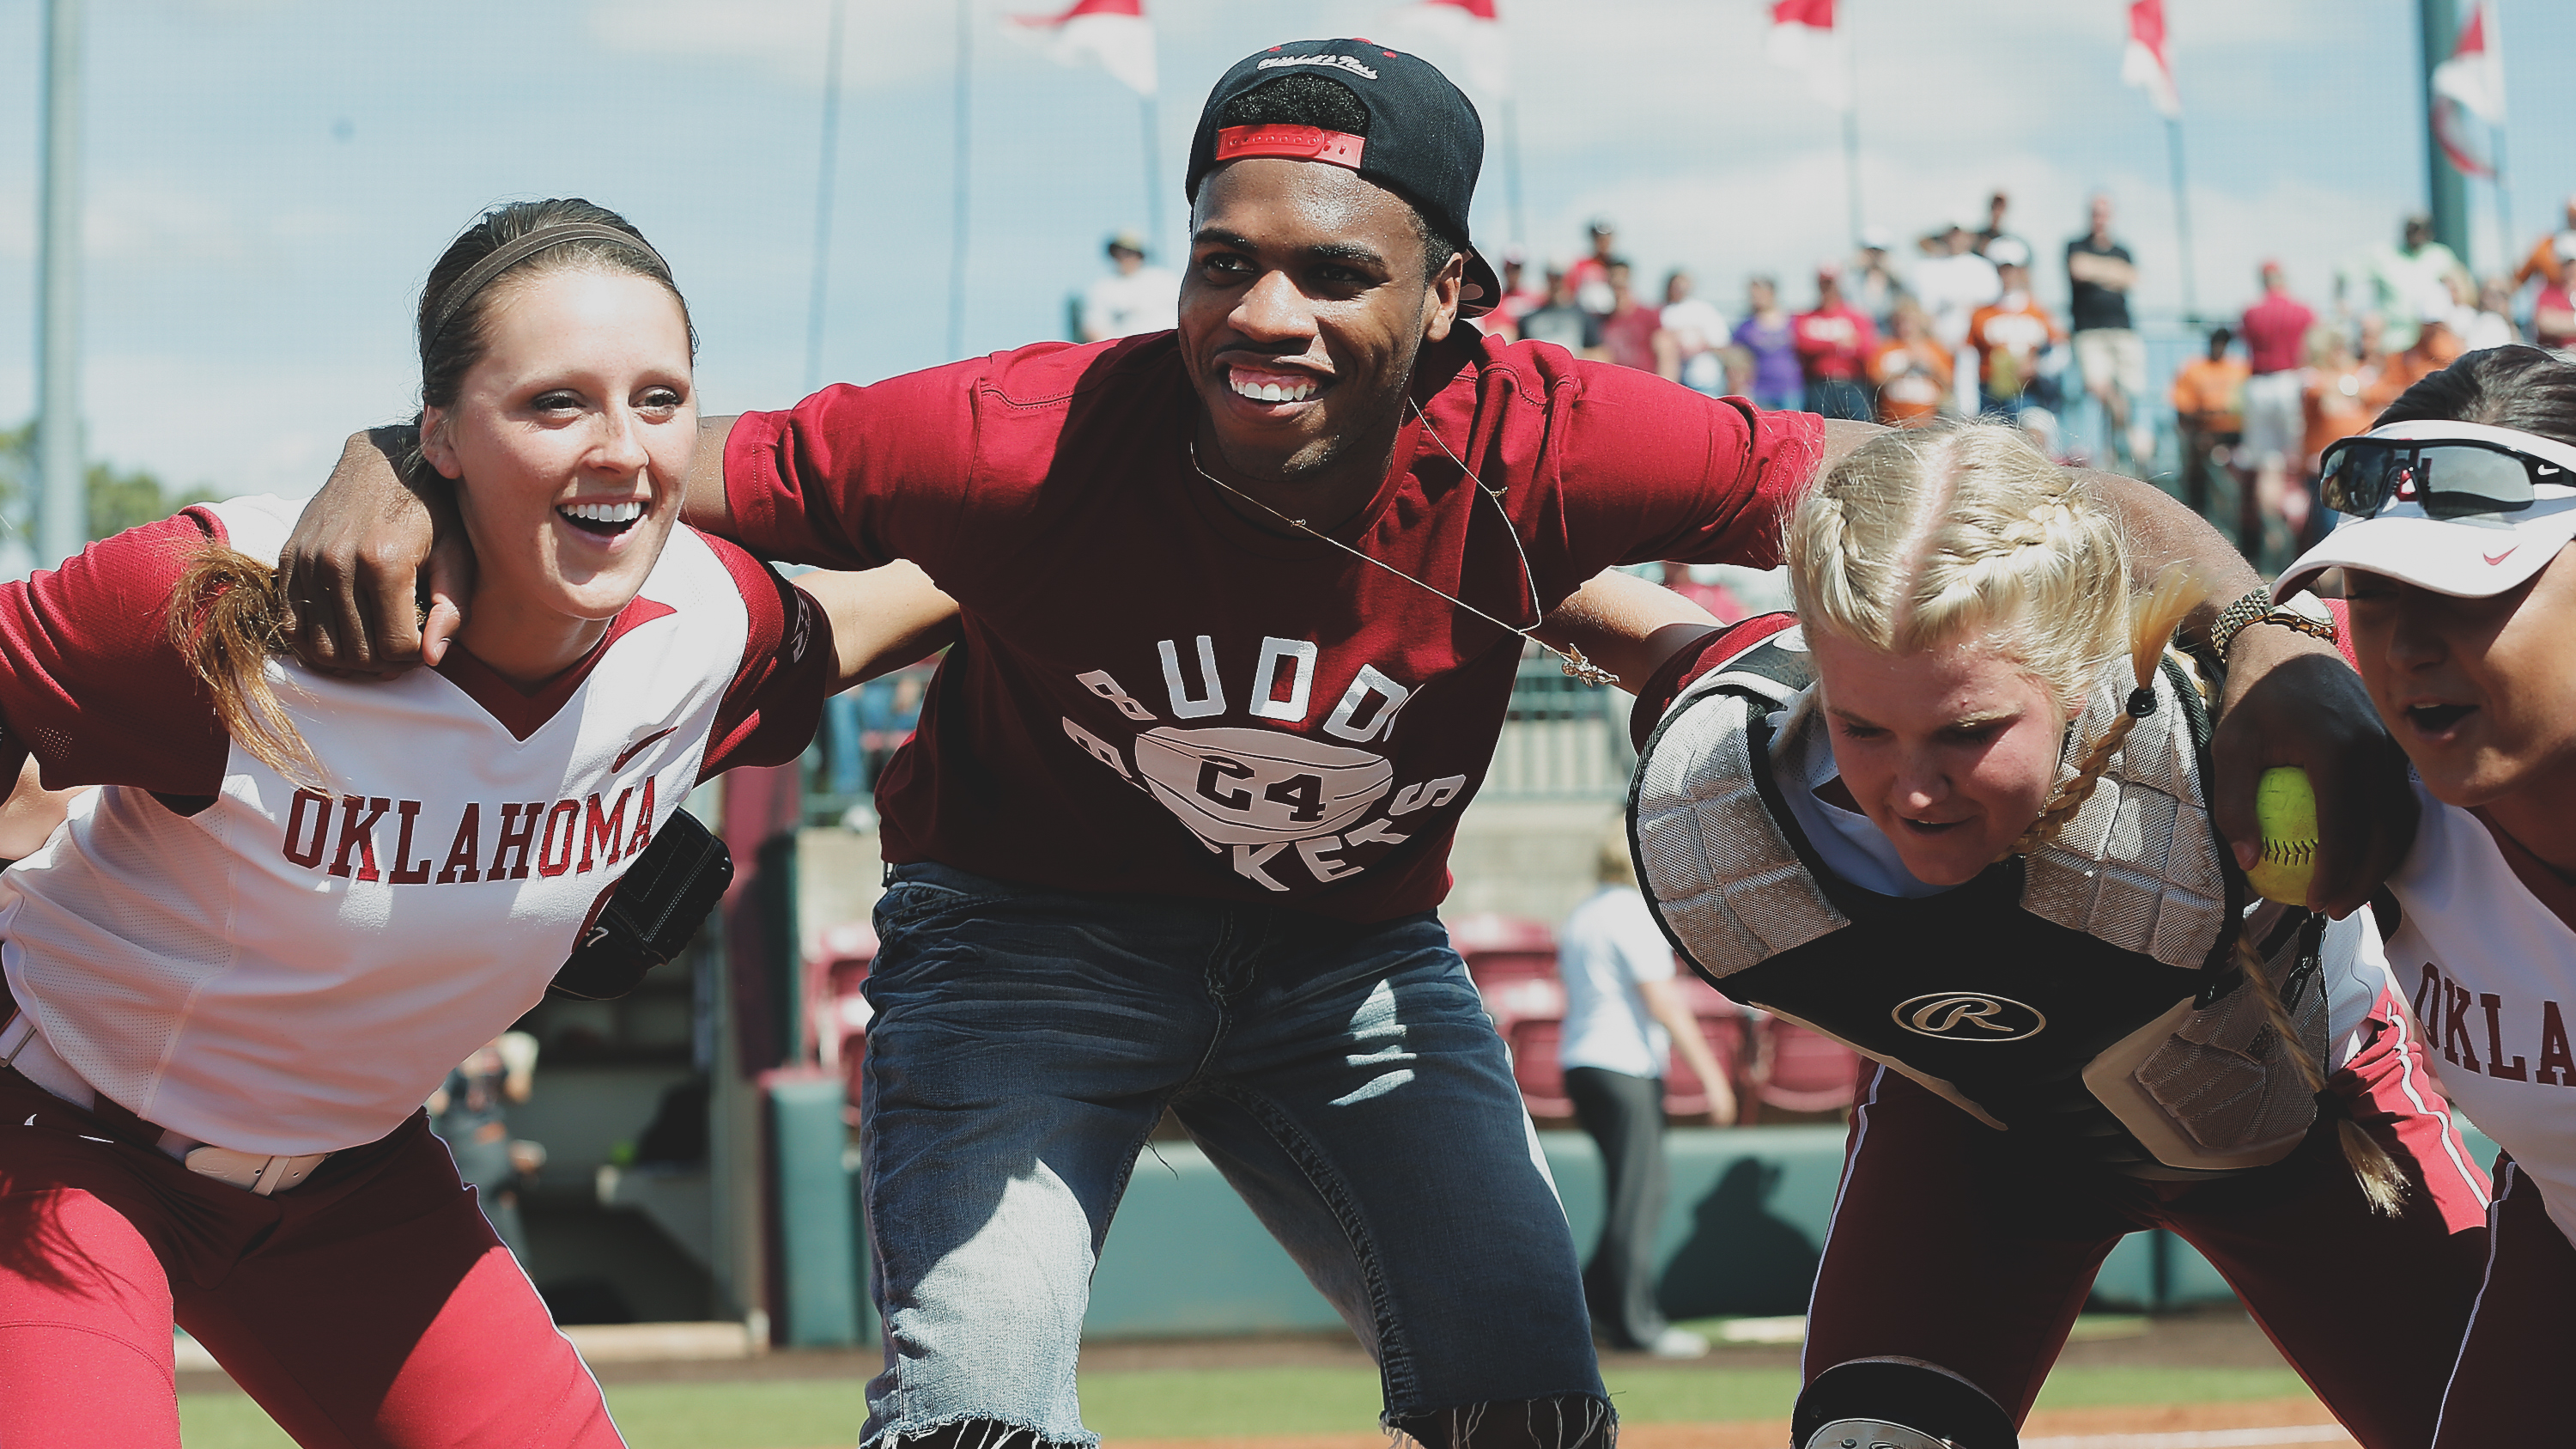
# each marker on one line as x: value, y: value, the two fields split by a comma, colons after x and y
x: 1571, y: 660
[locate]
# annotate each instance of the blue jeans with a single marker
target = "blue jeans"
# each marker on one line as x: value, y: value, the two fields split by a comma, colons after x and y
x: 1343, y: 1077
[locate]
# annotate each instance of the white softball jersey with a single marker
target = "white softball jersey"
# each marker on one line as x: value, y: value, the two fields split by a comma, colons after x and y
x: 276, y: 968
x: 2486, y: 955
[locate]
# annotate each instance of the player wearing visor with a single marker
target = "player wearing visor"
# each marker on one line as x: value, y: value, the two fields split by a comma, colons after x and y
x: 1955, y: 814
x: 2463, y: 598
x: 1243, y: 605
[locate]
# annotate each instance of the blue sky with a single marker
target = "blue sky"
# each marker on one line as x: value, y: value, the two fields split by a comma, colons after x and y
x: 268, y: 180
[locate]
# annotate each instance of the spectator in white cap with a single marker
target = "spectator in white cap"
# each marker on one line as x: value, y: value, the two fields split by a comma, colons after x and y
x: 1590, y: 274
x: 1135, y: 297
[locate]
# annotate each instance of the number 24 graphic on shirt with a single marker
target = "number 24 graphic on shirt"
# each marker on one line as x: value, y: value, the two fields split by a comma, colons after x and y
x: 1259, y: 792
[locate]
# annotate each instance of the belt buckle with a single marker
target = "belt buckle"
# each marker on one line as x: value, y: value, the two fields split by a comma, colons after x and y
x: 253, y: 1172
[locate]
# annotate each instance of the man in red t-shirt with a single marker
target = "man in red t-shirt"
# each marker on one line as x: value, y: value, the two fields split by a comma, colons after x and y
x: 1242, y: 607
x: 1634, y: 332
x: 1835, y: 344
x: 2275, y: 330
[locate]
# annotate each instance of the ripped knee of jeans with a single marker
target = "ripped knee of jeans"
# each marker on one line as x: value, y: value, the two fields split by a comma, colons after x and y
x: 1567, y: 1421
x: 974, y: 1433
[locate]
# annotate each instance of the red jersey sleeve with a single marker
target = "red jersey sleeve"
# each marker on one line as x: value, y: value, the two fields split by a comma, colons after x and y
x: 1692, y: 661
x: 90, y: 683
x: 776, y: 698
x: 838, y: 478
x: 1667, y: 473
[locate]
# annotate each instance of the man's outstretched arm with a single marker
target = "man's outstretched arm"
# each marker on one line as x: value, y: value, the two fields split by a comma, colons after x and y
x: 369, y: 544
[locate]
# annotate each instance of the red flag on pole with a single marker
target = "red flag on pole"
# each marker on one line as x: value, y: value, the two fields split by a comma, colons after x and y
x: 1803, y: 39
x: 1111, y: 34
x: 1470, y: 29
x: 2147, y: 64
x: 2472, y: 80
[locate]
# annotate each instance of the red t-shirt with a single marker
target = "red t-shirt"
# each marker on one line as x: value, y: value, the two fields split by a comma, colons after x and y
x: 1152, y: 694
x: 1630, y: 336
x: 1835, y: 343
x: 2276, y: 333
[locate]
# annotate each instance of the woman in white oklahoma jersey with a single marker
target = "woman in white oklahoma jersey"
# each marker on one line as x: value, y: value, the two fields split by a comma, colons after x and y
x: 1958, y: 819
x: 237, y: 972
x: 2463, y: 597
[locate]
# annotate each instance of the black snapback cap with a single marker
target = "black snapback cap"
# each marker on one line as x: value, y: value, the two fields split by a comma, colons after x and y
x: 1425, y: 141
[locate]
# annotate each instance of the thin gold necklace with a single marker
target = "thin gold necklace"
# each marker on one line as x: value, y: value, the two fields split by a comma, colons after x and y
x: 1569, y: 658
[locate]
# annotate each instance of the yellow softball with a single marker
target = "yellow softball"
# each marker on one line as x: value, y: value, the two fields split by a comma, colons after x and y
x: 2286, y: 810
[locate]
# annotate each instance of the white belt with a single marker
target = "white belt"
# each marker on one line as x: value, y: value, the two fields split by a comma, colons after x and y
x: 24, y: 1050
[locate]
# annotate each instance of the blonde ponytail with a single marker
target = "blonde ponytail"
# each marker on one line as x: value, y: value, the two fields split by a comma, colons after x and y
x: 2380, y: 1179
x: 227, y: 620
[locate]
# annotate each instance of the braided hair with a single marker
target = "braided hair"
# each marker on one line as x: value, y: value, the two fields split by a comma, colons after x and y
x: 1924, y: 536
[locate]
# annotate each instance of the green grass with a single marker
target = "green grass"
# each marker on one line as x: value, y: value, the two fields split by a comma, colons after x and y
x: 792, y: 1414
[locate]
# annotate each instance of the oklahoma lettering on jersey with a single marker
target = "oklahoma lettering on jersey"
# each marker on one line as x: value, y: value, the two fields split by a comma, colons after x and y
x: 273, y: 967
x: 1154, y: 694
x: 605, y: 840
x: 2489, y: 964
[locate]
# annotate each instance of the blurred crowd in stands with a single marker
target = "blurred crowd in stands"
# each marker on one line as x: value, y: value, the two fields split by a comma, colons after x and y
x: 1952, y: 326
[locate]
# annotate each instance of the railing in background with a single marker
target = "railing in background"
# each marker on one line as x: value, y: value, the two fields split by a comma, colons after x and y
x: 1562, y: 740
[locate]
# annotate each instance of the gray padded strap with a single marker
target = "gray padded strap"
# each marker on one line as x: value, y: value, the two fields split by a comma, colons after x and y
x: 1720, y: 871
x: 2138, y: 865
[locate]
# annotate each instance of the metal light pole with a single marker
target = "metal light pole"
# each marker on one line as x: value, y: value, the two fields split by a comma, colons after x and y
x: 2445, y: 193
x: 62, y: 515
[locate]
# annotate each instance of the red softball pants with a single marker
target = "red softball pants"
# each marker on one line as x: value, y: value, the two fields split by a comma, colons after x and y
x: 2511, y: 1386
x: 370, y: 1306
x: 1951, y: 1246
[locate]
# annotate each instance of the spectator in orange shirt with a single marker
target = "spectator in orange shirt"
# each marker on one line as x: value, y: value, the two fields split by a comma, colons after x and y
x: 2553, y: 264
x: 2009, y: 334
x: 2208, y: 401
x: 1835, y: 343
x: 1913, y: 371
x: 2436, y: 347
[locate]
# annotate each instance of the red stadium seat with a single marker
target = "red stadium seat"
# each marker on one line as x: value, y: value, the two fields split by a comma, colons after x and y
x: 1504, y: 948
x: 1534, y: 1043
x: 1802, y: 1071
x: 1723, y: 1029
x: 836, y: 1014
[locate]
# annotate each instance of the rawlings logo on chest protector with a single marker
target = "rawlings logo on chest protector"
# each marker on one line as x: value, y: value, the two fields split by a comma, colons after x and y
x: 1969, y: 1016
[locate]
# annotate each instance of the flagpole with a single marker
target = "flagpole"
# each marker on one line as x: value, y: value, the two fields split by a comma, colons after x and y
x: 1153, y: 172
x: 823, y: 198
x: 2494, y: 38
x: 958, y: 182
x: 2182, y: 219
x: 1851, y: 123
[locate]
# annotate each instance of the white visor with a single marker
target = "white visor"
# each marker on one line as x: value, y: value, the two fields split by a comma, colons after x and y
x: 2471, y: 558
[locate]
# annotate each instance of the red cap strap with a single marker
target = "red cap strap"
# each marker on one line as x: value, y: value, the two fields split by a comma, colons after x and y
x: 1304, y: 143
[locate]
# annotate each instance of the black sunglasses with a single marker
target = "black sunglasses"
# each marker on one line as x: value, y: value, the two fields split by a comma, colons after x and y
x: 2451, y: 479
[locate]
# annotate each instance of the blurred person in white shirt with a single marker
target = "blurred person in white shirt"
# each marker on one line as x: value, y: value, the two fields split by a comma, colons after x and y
x: 1697, y: 330
x: 1624, y: 1017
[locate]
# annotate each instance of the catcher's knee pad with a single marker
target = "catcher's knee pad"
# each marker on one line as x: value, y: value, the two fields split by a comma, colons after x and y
x: 1897, y: 1403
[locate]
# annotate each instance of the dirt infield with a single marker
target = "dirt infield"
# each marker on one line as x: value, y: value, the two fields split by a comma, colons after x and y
x: 2172, y: 1426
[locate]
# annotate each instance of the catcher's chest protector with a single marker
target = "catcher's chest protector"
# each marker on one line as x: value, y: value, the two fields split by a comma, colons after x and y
x: 2083, y: 996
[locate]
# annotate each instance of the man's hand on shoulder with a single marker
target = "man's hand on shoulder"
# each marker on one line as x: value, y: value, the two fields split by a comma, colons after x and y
x: 354, y: 568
